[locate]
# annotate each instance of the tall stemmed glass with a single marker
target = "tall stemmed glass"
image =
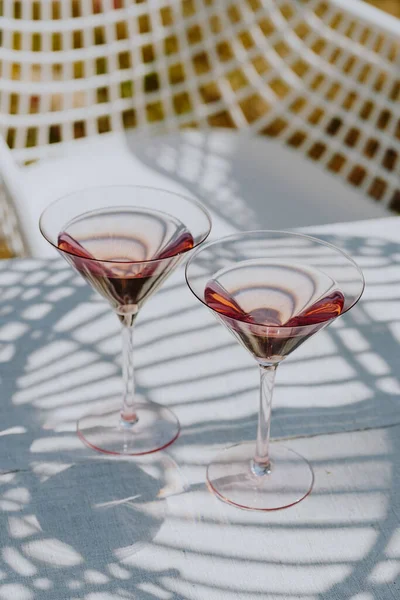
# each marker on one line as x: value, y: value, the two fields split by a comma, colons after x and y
x: 125, y: 241
x: 272, y: 290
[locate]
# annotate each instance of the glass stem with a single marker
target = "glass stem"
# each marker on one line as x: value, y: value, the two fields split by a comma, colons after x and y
x: 261, y: 464
x: 128, y: 412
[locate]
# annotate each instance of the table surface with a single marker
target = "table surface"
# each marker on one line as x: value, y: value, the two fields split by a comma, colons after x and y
x: 78, y: 525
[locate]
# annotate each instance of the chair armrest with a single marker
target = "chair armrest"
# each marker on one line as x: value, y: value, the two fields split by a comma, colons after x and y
x: 13, y: 201
x: 360, y: 9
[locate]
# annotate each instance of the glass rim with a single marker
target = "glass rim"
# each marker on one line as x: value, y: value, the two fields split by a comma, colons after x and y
x: 278, y: 231
x: 193, y: 201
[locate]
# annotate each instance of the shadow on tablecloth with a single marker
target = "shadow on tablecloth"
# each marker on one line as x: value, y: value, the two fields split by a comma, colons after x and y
x: 60, y: 358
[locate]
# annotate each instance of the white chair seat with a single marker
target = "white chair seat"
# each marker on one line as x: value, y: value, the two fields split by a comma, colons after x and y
x: 246, y: 182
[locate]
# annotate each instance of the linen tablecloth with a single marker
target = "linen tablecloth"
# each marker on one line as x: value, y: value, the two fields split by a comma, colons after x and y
x: 79, y: 525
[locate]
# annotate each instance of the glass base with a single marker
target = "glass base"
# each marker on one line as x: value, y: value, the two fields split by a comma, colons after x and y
x: 289, y: 480
x: 156, y: 428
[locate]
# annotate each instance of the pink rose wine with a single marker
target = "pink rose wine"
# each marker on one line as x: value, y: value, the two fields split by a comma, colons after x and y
x: 264, y: 301
x: 110, y: 249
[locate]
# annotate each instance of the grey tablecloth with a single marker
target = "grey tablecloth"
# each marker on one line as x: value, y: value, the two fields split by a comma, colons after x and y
x: 78, y: 525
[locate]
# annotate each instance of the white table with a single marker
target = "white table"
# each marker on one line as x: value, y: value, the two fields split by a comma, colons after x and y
x: 66, y: 512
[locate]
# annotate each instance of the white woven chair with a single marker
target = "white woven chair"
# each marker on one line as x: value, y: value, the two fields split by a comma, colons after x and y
x: 318, y: 75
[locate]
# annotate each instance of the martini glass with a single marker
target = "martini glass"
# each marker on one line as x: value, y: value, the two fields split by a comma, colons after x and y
x: 125, y: 241
x: 273, y: 290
